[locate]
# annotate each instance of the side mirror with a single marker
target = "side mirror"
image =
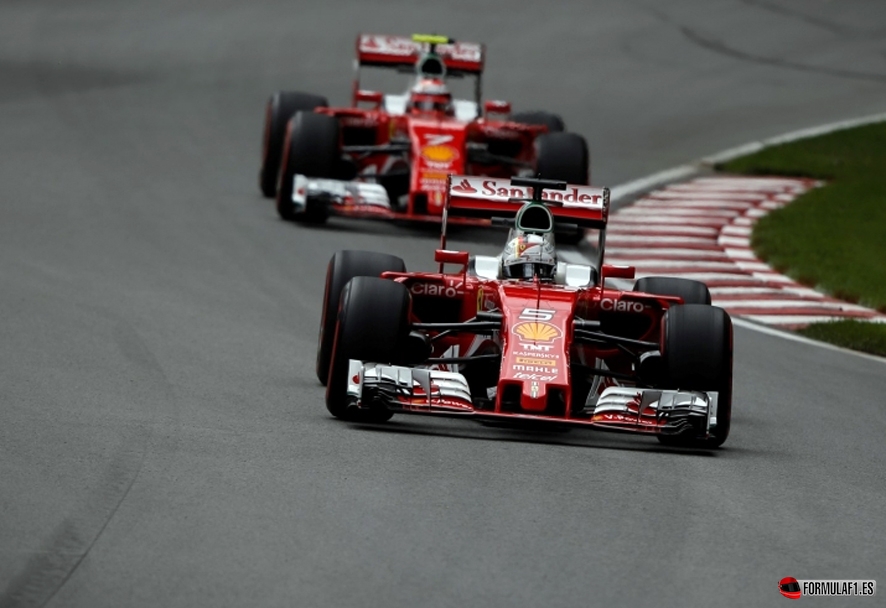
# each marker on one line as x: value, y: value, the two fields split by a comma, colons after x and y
x: 501, y: 108
x: 610, y: 271
x: 447, y: 256
x: 372, y: 97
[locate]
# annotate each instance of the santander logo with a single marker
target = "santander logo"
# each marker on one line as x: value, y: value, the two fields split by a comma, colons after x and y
x: 502, y: 190
x: 464, y: 186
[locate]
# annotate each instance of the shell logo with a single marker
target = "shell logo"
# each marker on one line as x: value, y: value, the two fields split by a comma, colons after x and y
x: 537, y: 332
x: 440, y: 154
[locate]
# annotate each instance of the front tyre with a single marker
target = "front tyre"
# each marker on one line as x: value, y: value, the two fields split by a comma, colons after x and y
x: 697, y: 346
x: 280, y: 108
x: 311, y: 149
x: 344, y: 266
x: 373, y: 325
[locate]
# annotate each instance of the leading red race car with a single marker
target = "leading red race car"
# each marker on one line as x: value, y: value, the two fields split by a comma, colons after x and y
x: 525, y: 337
x: 388, y: 155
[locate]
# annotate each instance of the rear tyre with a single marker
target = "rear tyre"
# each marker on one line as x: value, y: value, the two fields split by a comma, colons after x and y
x: 565, y: 157
x: 562, y: 156
x: 569, y: 236
x: 311, y: 148
x: 537, y: 117
x: 373, y: 325
x: 344, y: 266
x: 280, y: 108
x: 692, y: 292
x: 698, y: 356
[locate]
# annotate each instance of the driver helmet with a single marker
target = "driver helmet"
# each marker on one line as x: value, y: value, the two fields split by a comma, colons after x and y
x: 527, y: 256
x: 430, y: 96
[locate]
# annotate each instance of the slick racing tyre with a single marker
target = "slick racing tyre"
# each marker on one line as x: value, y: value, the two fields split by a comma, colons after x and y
x: 692, y: 292
x: 552, y: 121
x: 344, y: 266
x: 280, y: 108
x: 698, y: 356
x: 569, y: 236
x: 373, y: 325
x: 311, y: 148
x: 562, y: 156
x: 565, y: 157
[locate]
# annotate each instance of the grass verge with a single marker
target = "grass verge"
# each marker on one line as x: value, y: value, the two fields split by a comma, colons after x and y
x: 857, y: 335
x: 832, y: 238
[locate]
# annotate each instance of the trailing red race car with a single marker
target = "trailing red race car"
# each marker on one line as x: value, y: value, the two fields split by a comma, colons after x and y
x: 388, y: 155
x: 524, y: 337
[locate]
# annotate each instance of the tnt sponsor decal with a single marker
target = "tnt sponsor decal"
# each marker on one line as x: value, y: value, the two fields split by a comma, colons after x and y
x: 537, y: 331
x: 536, y: 348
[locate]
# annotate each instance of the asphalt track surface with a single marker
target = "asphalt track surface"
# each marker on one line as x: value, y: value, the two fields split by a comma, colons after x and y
x: 163, y: 440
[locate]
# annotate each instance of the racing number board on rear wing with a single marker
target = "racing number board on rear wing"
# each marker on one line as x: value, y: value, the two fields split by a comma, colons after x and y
x: 585, y: 206
x: 394, y: 51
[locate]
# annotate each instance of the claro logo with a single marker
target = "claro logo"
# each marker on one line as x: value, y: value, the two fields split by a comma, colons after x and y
x: 610, y: 305
x: 439, y: 290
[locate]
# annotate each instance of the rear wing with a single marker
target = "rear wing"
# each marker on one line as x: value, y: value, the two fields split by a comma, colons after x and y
x: 460, y: 58
x: 571, y: 205
x: 487, y: 197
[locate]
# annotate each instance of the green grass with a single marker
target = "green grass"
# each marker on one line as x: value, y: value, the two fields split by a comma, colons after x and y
x: 857, y: 335
x: 832, y: 238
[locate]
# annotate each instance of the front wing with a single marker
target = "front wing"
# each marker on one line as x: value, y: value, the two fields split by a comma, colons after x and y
x: 628, y: 409
x: 356, y: 199
x: 341, y: 197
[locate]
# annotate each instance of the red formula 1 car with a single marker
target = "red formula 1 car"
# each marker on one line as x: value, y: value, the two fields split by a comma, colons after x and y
x: 388, y: 155
x: 523, y: 337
